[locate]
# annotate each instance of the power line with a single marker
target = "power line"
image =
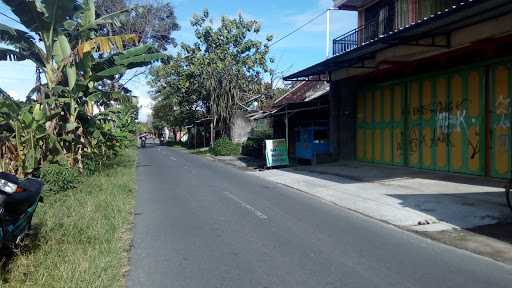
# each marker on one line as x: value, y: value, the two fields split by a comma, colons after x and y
x: 300, y: 27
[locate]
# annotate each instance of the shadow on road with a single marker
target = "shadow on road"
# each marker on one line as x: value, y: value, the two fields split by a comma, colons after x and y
x: 500, y: 231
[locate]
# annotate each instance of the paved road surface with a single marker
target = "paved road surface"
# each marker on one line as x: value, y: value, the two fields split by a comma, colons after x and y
x: 202, y: 224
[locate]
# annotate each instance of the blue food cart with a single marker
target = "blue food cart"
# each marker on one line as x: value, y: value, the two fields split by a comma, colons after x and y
x: 311, y: 141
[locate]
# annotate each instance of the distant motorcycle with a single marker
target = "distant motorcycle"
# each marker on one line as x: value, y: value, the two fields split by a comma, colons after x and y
x: 143, y: 140
x: 18, y: 203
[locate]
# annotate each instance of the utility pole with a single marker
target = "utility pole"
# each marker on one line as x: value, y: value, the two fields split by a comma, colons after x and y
x: 328, y: 33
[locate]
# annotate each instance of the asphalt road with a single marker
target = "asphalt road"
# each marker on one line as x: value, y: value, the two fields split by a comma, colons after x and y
x: 202, y: 224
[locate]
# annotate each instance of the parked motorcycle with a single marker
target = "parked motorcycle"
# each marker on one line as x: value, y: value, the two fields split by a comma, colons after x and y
x: 18, y: 203
x: 508, y: 194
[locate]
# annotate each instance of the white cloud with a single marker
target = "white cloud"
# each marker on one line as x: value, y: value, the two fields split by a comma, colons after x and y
x: 318, y: 25
x: 298, y: 20
x: 325, y: 4
x: 141, y: 90
x: 247, y: 16
x: 13, y: 94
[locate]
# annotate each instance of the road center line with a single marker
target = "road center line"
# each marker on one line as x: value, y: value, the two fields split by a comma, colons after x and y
x: 172, y: 158
x: 247, y: 206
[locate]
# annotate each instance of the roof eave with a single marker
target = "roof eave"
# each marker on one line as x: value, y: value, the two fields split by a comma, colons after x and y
x: 344, y: 60
x: 345, y: 5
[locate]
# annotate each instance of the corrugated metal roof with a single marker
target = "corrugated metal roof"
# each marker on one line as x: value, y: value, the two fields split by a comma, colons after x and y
x: 305, y: 91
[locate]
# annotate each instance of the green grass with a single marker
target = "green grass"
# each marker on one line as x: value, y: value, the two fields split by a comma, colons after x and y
x: 81, y: 237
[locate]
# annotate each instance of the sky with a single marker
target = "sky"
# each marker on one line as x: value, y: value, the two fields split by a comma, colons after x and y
x: 278, y: 17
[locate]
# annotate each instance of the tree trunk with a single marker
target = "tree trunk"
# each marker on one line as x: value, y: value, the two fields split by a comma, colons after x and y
x: 212, y: 131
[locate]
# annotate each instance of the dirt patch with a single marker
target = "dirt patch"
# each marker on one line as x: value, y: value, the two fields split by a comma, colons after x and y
x: 492, y: 241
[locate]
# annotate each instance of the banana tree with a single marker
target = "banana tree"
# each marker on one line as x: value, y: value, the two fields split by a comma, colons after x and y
x: 24, y: 141
x: 63, y: 45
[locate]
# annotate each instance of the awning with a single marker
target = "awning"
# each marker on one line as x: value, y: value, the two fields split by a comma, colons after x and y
x: 321, y: 90
x: 259, y: 115
x: 284, y: 111
x: 291, y: 108
x: 464, y: 14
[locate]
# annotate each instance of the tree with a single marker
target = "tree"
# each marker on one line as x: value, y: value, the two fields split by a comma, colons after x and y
x: 214, y: 76
x: 233, y: 64
x: 153, y: 22
x: 73, y: 59
x: 178, y: 101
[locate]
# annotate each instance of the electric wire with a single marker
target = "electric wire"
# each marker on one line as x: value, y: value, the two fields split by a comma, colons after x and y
x: 299, y: 28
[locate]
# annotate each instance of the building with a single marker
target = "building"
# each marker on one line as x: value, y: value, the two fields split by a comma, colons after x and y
x: 241, y: 126
x: 301, y: 116
x: 424, y: 84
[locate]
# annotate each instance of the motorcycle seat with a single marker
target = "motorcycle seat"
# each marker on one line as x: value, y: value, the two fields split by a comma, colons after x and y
x: 18, y: 203
x: 32, y: 184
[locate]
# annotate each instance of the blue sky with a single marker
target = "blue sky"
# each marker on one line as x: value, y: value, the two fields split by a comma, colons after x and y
x: 278, y: 17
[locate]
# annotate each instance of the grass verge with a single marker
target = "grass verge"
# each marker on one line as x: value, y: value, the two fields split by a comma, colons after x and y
x: 81, y: 237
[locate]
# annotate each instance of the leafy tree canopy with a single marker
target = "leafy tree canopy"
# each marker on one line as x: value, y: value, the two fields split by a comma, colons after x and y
x: 153, y: 23
x: 215, y: 75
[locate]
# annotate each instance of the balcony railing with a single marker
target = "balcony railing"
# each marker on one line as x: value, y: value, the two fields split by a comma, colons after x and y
x: 406, y: 13
x: 372, y: 30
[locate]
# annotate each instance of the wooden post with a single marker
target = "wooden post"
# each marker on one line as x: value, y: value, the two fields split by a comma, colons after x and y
x: 212, y: 132
x: 204, y: 135
x: 286, y: 124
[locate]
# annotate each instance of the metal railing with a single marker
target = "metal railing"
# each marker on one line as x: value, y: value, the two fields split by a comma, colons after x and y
x: 386, y: 21
x: 372, y: 30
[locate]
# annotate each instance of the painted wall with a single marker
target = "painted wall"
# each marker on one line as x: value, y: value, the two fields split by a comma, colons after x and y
x: 456, y: 121
x: 241, y: 127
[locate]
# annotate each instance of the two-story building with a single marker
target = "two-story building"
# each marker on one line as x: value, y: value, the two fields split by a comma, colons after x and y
x: 424, y: 84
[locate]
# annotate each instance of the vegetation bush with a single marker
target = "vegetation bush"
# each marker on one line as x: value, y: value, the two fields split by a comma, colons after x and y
x: 225, y: 147
x: 254, y: 145
x: 91, y: 166
x: 59, y: 177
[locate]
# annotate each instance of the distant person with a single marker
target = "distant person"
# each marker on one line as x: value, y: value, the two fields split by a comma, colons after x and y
x: 143, y: 138
x: 166, y: 134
